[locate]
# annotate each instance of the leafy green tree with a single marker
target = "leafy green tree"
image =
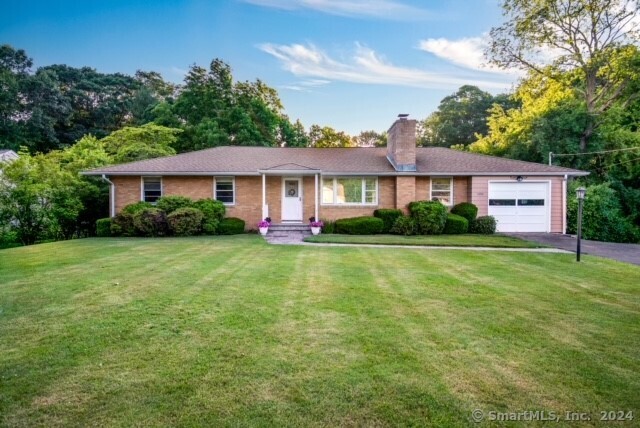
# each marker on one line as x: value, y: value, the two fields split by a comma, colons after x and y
x: 14, y: 72
x: 38, y: 198
x: 594, y: 38
x: 326, y: 136
x: 131, y: 144
x: 459, y: 118
x: 370, y: 139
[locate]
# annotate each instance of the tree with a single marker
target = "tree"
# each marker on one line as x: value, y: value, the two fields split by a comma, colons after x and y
x: 38, y: 198
x: 328, y: 137
x: 370, y: 139
x: 14, y: 71
x: 459, y: 117
x: 131, y: 144
x: 589, y: 36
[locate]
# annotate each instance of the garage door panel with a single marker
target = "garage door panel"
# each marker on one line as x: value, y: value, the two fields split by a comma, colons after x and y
x: 519, y: 207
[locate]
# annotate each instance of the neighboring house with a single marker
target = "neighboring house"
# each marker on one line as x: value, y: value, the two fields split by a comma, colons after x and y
x: 7, y: 155
x: 292, y: 184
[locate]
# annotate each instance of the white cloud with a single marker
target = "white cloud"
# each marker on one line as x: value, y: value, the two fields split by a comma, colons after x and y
x: 467, y: 52
x: 385, y: 9
x: 367, y: 67
x: 178, y: 71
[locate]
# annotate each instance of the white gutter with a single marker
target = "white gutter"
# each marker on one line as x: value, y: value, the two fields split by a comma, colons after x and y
x: 341, y: 173
x: 112, y: 196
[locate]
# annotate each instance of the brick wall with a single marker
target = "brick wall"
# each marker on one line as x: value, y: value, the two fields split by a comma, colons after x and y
x: 127, y: 191
x: 401, y: 142
x: 405, y: 192
x: 192, y: 187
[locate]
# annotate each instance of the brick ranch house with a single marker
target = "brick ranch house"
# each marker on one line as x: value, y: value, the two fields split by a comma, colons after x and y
x: 292, y: 184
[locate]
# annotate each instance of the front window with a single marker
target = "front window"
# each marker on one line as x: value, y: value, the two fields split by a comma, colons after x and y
x: 225, y: 190
x: 151, y: 189
x: 349, y: 191
x: 442, y: 190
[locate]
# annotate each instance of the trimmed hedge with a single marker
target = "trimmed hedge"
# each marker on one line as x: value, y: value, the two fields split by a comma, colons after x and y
x: 103, y: 227
x: 136, y: 208
x: 185, y: 221
x: 466, y: 210
x: 404, y: 225
x: 213, y: 212
x: 150, y: 222
x: 430, y: 217
x: 359, y: 225
x: 485, y: 225
x: 171, y: 203
x: 231, y: 226
x: 329, y: 226
x: 388, y: 216
x: 456, y: 224
x: 122, y: 224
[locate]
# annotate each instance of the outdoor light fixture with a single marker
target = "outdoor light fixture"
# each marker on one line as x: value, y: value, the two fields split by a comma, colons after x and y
x: 519, y: 178
x: 580, y: 192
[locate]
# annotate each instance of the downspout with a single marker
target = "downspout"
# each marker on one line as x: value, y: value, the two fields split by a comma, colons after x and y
x: 112, y: 196
x: 564, y: 205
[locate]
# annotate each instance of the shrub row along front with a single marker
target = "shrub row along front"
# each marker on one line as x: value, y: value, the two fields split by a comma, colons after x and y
x: 172, y: 215
x: 426, y: 218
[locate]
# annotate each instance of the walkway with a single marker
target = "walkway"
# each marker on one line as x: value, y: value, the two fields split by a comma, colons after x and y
x: 296, y: 238
x: 629, y: 253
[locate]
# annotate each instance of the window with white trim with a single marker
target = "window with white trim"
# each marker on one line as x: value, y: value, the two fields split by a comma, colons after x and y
x: 350, y: 191
x: 442, y: 190
x: 151, y: 189
x: 224, y: 190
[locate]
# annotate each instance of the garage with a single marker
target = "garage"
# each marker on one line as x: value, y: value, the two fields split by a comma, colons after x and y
x: 520, y: 206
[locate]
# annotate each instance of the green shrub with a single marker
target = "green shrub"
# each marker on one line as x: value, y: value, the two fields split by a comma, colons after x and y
x: 122, y: 224
x: 231, y: 226
x: 404, y: 225
x: 359, y: 225
x: 8, y: 237
x: 185, y: 221
x: 429, y: 216
x: 485, y: 225
x: 136, y: 208
x: 466, y: 210
x: 602, y: 216
x: 103, y: 227
x: 329, y: 226
x: 213, y: 212
x: 388, y: 216
x: 150, y: 222
x: 169, y: 204
x: 456, y: 224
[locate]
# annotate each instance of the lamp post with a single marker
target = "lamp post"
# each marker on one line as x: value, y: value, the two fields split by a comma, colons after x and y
x: 580, y: 192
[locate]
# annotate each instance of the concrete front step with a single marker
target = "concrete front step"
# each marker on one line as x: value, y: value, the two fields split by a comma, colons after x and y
x: 289, y: 228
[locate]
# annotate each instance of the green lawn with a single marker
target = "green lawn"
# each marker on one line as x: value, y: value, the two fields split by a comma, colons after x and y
x: 467, y: 240
x: 232, y: 331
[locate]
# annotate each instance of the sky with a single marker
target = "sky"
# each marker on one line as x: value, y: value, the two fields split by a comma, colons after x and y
x: 353, y: 65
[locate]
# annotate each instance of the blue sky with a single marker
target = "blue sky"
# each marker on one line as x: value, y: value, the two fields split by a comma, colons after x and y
x: 353, y: 64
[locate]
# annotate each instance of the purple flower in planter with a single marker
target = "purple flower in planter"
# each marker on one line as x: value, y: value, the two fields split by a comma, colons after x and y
x: 264, y: 223
x: 316, y: 224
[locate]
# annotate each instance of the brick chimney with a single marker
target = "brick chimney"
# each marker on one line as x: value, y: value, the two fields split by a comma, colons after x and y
x: 401, y: 144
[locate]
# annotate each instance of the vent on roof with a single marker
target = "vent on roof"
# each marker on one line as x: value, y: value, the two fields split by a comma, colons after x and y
x: 403, y: 116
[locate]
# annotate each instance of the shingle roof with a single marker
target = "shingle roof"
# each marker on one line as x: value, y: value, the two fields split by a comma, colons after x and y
x: 234, y: 160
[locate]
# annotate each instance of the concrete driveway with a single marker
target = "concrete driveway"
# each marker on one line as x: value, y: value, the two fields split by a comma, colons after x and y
x: 629, y: 253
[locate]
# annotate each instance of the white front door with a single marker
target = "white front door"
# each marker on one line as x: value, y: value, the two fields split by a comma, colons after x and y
x: 292, y: 199
x: 520, y: 207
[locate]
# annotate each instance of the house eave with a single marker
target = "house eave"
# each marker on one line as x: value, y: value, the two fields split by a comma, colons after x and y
x: 334, y: 173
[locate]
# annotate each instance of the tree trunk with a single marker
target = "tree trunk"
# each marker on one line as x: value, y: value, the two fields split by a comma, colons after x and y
x: 586, y: 134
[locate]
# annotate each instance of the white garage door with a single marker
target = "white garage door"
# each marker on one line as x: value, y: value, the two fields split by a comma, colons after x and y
x: 520, y: 207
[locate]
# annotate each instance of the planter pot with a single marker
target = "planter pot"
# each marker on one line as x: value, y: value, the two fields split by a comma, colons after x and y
x: 315, y: 230
x: 263, y: 230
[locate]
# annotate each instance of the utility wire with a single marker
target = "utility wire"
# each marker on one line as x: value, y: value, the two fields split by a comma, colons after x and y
x: 620, y: 163
x: 594, y: 153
